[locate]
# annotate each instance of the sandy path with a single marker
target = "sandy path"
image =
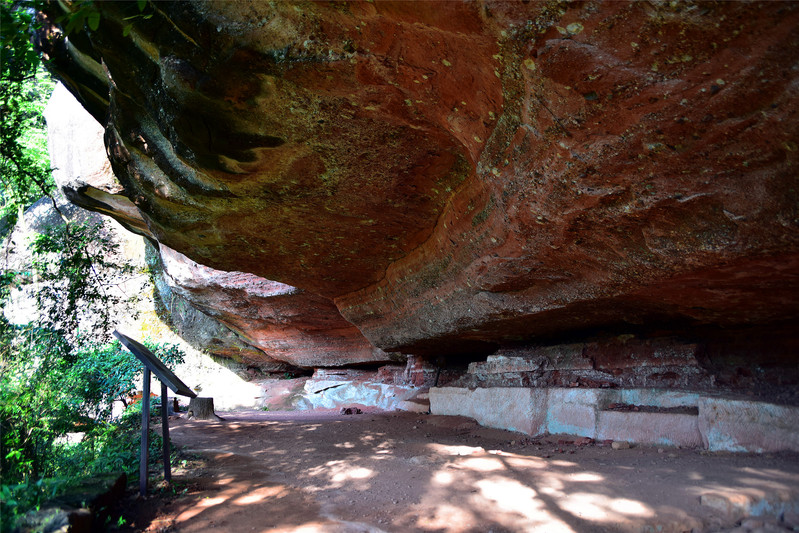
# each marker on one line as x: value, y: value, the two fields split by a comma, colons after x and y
x: 305, y: 472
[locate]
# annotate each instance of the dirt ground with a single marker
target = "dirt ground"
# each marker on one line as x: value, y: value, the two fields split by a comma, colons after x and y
x: 371, y: 472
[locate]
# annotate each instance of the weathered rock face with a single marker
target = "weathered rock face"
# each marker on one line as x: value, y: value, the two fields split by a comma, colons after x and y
x: 201, y: 330
x: 80, y: 164
x: 285, y: 323
x: 254, y: 321
x: 457, y: 177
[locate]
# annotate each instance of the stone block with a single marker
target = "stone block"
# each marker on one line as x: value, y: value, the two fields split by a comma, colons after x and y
x: 573, y: 411
x: 730, y: 425
x: 649, y: 428
x: 566, y: 357
x: 658, y: 397
x: 515, y: 409
x: 671, y: 352
x: 413, y: 407
x: 500, y: 364
x: 576, y: 395
x: 740, y: 426
x: 333, y: 394
x: 572, y: 419
x: 451, y: 401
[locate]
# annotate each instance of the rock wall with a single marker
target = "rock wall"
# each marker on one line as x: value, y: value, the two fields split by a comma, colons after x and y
x: 455, y: 178
x: 218, y: 361
x: 284, y: 323
x: 267, y: 326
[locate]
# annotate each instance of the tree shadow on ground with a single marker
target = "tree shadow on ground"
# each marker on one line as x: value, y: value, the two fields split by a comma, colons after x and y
x: 405, y: 472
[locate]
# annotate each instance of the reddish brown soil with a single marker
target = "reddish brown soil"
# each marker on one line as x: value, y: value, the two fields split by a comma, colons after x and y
x: 275, y: 472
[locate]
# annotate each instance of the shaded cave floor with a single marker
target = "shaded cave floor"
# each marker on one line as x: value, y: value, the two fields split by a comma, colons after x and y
x: 399, y: 471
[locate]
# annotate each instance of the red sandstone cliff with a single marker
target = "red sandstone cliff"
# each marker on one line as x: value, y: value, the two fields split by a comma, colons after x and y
x: 452, y: 177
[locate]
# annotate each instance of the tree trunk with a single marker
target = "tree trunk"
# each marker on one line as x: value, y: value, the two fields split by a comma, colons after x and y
x: 202, y: 409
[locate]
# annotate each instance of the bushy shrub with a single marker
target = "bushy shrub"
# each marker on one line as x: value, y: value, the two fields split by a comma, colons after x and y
x: 60, y: 374
x: 45, y: 397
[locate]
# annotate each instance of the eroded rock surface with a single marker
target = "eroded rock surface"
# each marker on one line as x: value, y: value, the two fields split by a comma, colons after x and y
x: 268, y: 326
x: 457, y: 177
x: 287, y: 324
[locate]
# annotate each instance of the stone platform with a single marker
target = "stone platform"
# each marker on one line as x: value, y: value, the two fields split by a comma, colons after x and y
x: 664, y: 417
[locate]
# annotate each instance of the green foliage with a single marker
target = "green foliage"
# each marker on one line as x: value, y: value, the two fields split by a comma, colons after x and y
x: 75, y: 267
x: 44, y: 397
x: 17, y: 499
x: 83, y: 14
x: 17, y: 22
x: 108, y: 373
x: 112, y: 445
x: 61, y: 374
x: 143, y: 14
x: 24, y: 89
x: 46, y: 394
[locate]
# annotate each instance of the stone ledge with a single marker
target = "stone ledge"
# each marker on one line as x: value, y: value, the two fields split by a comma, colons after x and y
x: 744, y: 426
x: 515, y: 409
x: 649, y: 428
x: 721, y: 425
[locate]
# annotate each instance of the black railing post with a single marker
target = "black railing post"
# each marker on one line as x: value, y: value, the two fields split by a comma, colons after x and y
x: 165, y: 433
x: 145, y: 432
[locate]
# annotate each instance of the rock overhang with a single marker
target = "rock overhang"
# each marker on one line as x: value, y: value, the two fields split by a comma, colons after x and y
x: 478, y: 175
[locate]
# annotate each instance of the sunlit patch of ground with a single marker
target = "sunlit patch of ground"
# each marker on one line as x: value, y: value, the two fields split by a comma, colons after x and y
x: 271, y: 472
